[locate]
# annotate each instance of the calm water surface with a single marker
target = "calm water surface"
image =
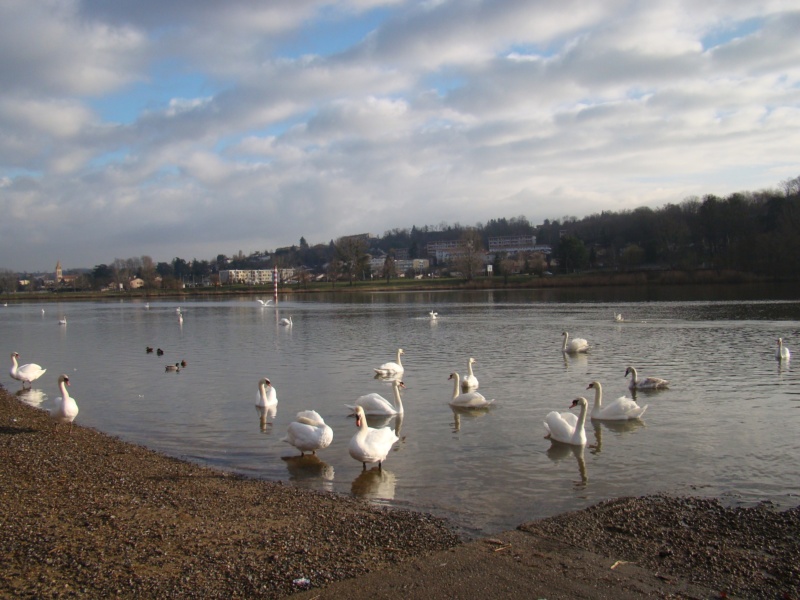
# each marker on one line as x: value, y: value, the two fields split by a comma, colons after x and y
x: 729, y: 426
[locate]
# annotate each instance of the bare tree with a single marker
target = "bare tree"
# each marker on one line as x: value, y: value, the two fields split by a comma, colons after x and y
x: 470, y: 257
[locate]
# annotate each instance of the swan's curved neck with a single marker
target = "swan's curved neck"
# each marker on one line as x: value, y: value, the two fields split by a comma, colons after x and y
x: 64, y: 392
x: 456, y: 380
x: 634, y: 375
x: 581, y: 421
x: 398, y: 401
x: 564, y: 346
x: 598, y: 395
x: 398, y: 357
x: 469, y: 368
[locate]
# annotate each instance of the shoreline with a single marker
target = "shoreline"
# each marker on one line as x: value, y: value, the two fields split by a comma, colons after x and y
x: 592, y: 279
x: 88, y: 515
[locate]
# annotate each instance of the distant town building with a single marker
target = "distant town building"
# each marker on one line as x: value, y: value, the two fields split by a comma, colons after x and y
x: 253, y: 276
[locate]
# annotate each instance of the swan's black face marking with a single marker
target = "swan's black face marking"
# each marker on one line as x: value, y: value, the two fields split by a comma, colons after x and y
x: 574, y: 403
x: 268, y: 381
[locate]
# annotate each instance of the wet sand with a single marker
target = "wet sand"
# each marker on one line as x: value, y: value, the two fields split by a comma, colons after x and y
x: 87, y: 515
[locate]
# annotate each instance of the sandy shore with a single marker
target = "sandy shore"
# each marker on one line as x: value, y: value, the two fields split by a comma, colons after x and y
x: 86, y: 515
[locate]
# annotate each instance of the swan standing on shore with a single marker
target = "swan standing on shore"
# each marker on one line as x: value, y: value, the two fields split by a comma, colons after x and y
x: 375, y: 404
x: 566, y: 427
x: 648, y: 383
x: 308, y: 432
x: 469, y: 381
x: 573, y: 346
x: 621, y: 409
x: 466, y: 399
x: 782, y: 352
x: 370, y: 445
x: 66, y: 408
x: 389, y: 369
x: 267, y: 396
x: 26, y: 373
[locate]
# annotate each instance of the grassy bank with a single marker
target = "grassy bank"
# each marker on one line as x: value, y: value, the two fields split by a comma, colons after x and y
x: 584, y: 280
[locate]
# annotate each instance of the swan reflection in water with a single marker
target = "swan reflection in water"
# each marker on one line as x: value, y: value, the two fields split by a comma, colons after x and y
x: 470, y: 413
x: 618, y: 427
x: 32, y: 397
x: 264, y: 414
x: 309, y: 468
x: 559, y: 451
x: 375, y: 484
x: 575, y: 361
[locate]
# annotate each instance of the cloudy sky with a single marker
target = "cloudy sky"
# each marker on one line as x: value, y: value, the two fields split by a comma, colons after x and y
x: 192, y: 128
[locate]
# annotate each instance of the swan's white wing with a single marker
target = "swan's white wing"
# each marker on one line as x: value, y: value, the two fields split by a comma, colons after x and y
x: 373, y: 404
x: 621, y: 409
x: 559, y: 427
x: 470, y: 400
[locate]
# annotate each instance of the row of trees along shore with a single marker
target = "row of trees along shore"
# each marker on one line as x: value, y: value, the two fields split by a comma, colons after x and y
x: 754, y: 232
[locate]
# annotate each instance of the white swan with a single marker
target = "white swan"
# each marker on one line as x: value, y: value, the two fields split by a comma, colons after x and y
x: 370, y: 445
x: 264, y: 302
x: 267, y: 396
x: 573, y: 346
x: 566, y: 427
x: 391, y: 368
x: 621, y: 409
x: 286, y: 322
x: 782, y: 352
x: 469, y: 382
x: 467, y: 399
x: 308, y: 433
x: 66, y: 408
x: 375, y: 404
x: 618, y: 317
x: 63, y: 320
x: 648, y: 383
x: 26, y: 373
x: 433, y: 315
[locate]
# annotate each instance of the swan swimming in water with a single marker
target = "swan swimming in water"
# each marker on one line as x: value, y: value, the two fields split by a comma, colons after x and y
x: 621, y: 409
x: 566, y: 427
x: 575, y: 345
x: 433, y: 315
x: 370, y: 445
x: 66, y: 408
x: 648, y: 383
x: 469, y: 382
x: 286, y: 322
x: 308, y: 433
x: 63, y: 320
x: 466, y: 399
x: 375, y: 404
x: 618, y: 317
x: 26, y: 373
x: 267, y: 396
x: 782, y: 352
x: 264, y: 302
x: 391, y: 368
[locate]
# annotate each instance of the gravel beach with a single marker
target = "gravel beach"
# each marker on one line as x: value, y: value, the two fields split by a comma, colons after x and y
x: 87, y: 515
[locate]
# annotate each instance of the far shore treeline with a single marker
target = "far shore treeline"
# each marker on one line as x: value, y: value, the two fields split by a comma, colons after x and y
x: 755, y: 235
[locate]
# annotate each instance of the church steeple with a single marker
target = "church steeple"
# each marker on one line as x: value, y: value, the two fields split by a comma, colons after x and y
x: 59, y: 275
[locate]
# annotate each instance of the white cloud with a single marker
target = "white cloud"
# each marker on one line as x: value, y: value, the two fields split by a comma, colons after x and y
x: 441, y: 111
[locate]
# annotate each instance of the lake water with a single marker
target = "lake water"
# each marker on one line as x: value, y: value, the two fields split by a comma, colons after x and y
x: 729, y: 426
